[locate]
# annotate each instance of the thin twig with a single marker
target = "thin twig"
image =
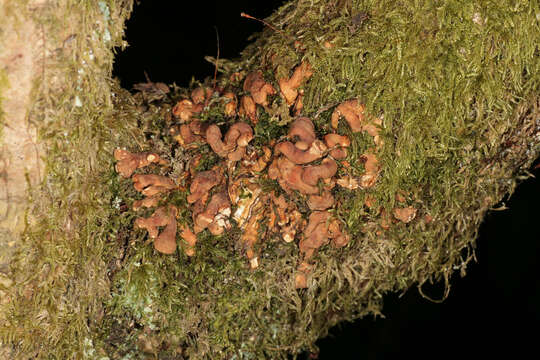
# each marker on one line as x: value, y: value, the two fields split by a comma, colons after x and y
x: 242, y: 14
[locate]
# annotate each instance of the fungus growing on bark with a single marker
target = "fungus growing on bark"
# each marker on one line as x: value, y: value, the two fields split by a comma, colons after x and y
x: 337, y: 145
x: 248, y: 108
x: 185, y: 109
x: 318, y: 232
x: 250, y: 234
x: 189, y: 134
x: 348, y: 182
x: 353, y: 112
x: 244, y: 195
x: 306, y: 148
x: 302, y: 133
x: 165, y: 242
x: 325, y: 170
x: 215, y: 216
x: 289, y: 176
x: 289, y: 87
x: 371, y: 164
x: 128, y: 162
x: 151, y: 184
x: 230, y: 106
x: 285, y: 218
x: 190, y: 240
x: 202, y: 183
x: 255, y: 163
x: 406, y: 214
x: 298, y: 156
x: 258, y: 88
x: 147, y: 202
x: 321, y: 202
x: 201, y: 94
x: 236, y: 139
x: 315, y: 233
x: 339, y: 239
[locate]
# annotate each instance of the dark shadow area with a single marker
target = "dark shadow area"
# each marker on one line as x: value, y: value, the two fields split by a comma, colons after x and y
x: 169, y: 39
x: 495, y: 309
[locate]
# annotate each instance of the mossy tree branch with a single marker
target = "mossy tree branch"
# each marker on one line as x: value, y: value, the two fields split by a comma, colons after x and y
x: 458, y: 87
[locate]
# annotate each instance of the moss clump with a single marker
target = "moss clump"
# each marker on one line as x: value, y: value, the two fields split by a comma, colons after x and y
x: 60, y: 270
x: 458, y: 84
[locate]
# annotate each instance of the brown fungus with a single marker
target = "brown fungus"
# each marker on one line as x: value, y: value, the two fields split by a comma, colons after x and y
x: 258, y: 88
x: 128, y: 162
x: 289, y: 87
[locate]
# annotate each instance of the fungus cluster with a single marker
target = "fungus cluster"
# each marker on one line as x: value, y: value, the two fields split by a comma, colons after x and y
x: 303, y: 166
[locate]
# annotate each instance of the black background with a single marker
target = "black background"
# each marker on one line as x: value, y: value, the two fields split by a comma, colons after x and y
x: 494, y: 310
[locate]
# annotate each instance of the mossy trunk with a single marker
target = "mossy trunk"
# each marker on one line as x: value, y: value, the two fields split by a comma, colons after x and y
x: 456, y: 84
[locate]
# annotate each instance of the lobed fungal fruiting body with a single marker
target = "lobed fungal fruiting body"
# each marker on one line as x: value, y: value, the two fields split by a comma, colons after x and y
x: 129, y: 162
x: 303, y: 165
x: 289, y: 87
x: 165, y: 242
x: 258, y: 88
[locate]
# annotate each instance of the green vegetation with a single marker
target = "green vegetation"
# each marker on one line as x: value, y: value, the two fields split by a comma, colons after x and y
x: 458, y: 84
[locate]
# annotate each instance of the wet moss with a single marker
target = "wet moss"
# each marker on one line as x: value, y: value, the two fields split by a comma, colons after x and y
x: 458, y: 85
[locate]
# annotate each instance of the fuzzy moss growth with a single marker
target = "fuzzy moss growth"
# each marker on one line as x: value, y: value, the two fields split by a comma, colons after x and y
x: 458, y: 84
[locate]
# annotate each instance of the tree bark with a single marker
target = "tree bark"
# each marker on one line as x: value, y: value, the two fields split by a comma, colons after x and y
x: 458, y: 93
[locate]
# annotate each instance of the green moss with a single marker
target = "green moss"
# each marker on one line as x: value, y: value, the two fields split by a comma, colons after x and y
x: 457, y: 82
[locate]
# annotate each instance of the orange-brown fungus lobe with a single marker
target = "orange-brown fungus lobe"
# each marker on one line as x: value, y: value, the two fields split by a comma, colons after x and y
x: 200, y: 95
x: 289, y: 176
x: 325, y: 170
x: 165, y: 242
x: 230, y: 106
x: 147, y: 202
x: 202, y: 183
x: 289, y: 87
x: 315, y: 234
x: 303, y: 130
x: 258, y: 88
x: 298, y: 156
x: 371, y: 164
x: 300, y: 279
x: 189, y: 134
x: 236, y: 139
x: 254, y: 163
x: 128, y: 162
x: 185, y: 109
x: 150, y: 185
x: 307, y: 148
x: 321, y: 202
x: 352, y: 111
x: 338, y: 144
x: 215, y: 216
x: 318, y: 232
x: 190, y: 240
x: 406, y: 214
x: 250, y: 235
x: 339, y: 239
x: 285, y: 218
x: 248, y: 108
